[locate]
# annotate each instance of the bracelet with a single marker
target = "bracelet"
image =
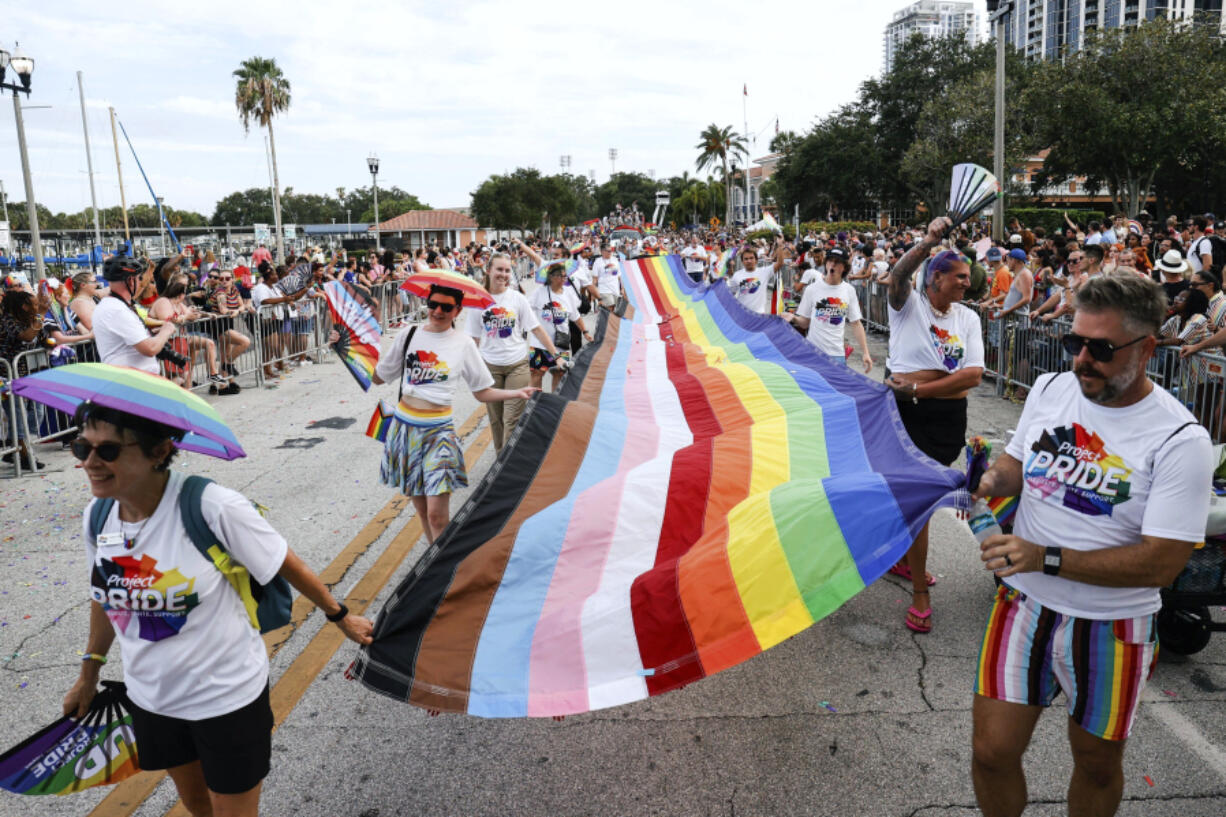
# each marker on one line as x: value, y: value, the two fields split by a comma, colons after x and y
x: 339, y: 615
x: 93, y: 656
x: 915, y: 393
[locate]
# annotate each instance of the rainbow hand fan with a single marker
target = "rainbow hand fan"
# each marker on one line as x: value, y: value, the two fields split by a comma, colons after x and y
x: 360, y: 334
x: 971, y: 189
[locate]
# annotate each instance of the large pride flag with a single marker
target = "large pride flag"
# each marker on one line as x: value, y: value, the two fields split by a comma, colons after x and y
x: 703, y: 487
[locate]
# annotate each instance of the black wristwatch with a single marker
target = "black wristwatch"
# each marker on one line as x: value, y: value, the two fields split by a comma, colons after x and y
x: 339, y: 615
x: 1052, y: 557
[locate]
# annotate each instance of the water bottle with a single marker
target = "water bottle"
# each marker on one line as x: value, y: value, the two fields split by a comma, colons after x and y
x: 983, y: 522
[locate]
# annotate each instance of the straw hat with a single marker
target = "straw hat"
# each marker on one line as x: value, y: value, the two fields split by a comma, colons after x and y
x: 1173, y: 263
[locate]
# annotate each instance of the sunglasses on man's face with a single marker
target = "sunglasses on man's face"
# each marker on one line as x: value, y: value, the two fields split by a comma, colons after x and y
x: 107, y: 452
x: 1101, y: 349
x: 446, y: 308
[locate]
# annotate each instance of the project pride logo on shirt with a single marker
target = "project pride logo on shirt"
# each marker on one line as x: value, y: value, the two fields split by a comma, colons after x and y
x: 499, y: 322
x: 948, y: 345
x: 830, y: 310
x: 1074, y: 459
x: 161, y: 601
x: 748, y: 286
x: 553, y: 312
x: 425, y: 367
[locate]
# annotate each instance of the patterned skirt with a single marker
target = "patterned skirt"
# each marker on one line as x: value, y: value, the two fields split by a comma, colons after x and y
x: 423, y: 460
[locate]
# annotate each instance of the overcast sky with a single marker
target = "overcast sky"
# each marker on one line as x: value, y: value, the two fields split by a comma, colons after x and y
x: 445, y: 94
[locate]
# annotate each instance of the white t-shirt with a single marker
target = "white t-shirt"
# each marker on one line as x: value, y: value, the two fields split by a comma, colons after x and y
x: 500, y: 329
x: 1199, y: 247
x: 261, y: 291
x: 555, y: 312
x: 434, y: 364
x: 695, y: 259
x: 829, y: 308
x: 117, y: 330
x: 752, y: 289
x: 812, y: 274
x: 608, y: 276
x: 189, y: 650
x: 581, y: 275
x: 1097, y: 477
x: 921, y: 340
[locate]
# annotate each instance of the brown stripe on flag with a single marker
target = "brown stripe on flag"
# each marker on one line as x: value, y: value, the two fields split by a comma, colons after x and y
x: 443, y: 666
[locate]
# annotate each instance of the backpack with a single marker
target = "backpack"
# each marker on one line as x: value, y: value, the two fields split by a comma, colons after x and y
x: 1217, y: 246
x: 268, y: 605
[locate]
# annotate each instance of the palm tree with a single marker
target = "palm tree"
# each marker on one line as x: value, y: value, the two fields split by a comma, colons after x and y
x: 714, y: 146
x: 261, y: 93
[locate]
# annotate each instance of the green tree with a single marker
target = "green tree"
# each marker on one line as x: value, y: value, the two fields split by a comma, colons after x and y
x: 784, y: 141
x: 837, y: 163
x: 627, y: 189
x: 923, y: 70
x: 956, y: 126
x: 261, y: 93
x: 715, y: 146
x: 524, y: 199
x: 250, y: 206
x: 1130, y: 105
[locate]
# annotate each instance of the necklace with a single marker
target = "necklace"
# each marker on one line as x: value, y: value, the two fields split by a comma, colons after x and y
x: 940, y: 313
x: 129, y: 542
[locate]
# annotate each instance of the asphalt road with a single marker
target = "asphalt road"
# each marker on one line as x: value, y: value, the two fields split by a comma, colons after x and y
x: 855, y: 716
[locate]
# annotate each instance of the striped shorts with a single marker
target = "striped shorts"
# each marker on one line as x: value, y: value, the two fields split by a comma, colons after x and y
x: 1029, y: 653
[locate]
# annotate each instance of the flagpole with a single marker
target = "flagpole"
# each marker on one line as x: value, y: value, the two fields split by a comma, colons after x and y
x: 745, y: 120
x: 123, y: 202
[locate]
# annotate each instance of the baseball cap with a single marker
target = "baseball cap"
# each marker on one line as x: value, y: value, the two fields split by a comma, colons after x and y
x: 837, y: 254
x: 1017, y: 255
x: 993, y: 254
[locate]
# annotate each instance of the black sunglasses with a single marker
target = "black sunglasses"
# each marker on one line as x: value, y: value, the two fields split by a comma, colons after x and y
x: 107, y: 452
x: 1100, y: 349
x: 447, y: 308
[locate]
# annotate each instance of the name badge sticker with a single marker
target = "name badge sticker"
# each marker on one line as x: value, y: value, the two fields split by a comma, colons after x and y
x: 110, y: 539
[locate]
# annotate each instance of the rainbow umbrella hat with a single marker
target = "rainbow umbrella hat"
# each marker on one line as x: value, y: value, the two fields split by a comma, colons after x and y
x: 475, y: 295
x: 136, y: 392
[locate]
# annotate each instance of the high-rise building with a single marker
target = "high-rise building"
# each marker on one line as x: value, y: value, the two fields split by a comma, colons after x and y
x: 931, y: 18
x: 1051, y: 29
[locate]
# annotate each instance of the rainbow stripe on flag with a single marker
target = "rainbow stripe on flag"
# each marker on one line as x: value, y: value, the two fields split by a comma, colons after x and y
x: 704, y: 486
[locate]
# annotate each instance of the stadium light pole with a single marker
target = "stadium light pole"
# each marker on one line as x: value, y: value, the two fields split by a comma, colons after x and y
x: 23, y: 67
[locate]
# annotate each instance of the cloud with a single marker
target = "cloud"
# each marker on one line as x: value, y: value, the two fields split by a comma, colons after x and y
x: 445, y: 94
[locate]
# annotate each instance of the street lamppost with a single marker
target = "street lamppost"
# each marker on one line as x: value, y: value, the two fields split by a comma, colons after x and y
x: 348, y: 225
x: 23, y: 66
x: 612, y: 161
x: 997, y: 11
x: 161, y: 226
x: 372, y: 161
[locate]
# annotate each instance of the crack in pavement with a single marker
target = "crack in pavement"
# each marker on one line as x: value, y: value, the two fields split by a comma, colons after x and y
x: 974, y: 807
x: 923, y: 690
x: 55, y: 622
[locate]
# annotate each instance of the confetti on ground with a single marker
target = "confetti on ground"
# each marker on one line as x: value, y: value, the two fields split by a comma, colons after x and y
x: 1149, y: 781
x: 827, y: 705
x: 1169, y: 694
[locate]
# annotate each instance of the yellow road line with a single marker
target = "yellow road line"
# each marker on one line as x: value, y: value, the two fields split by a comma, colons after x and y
x: 127, y: 797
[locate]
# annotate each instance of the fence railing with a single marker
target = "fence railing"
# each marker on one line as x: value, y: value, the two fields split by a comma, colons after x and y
x: 248, y: 345
x: 1018, y: 350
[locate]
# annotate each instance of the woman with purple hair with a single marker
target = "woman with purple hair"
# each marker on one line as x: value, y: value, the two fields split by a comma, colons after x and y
x: 936, y: 358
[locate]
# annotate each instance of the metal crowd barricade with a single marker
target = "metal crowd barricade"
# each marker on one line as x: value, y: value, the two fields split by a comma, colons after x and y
x: 875, y: 307
x: 222, y: 343
x: 8, y: 412
x: 34, y: 423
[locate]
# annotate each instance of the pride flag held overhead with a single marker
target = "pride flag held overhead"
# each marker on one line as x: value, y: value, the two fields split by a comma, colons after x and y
x: 704, y: 486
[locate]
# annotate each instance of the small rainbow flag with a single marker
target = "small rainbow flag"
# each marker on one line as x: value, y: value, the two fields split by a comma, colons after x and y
x: 723, y: 264
x: 577, y: 247
x: 1134, y: 226
x: 381, y: 421
x: 1004, y: 508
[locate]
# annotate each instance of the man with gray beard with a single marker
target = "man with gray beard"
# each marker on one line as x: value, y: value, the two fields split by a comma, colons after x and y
x: 1113, y: 476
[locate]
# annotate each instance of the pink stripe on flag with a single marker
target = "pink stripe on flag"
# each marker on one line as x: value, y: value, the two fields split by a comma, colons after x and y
x: 555, y: 673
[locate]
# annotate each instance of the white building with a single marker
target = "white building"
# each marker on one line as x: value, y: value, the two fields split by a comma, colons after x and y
x: 1052, y: 29
x: 931, y: 18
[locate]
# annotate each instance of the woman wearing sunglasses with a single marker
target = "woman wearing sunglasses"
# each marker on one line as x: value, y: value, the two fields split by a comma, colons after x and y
x: 196, y: 668
x: 500, y: 331
x: 421, y: 454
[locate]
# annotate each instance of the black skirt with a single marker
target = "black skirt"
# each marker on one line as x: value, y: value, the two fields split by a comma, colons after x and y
x: 937, y: 427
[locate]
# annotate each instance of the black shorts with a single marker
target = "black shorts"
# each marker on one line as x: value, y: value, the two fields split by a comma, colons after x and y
x: 234, y: 749
x: 937, y: 427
